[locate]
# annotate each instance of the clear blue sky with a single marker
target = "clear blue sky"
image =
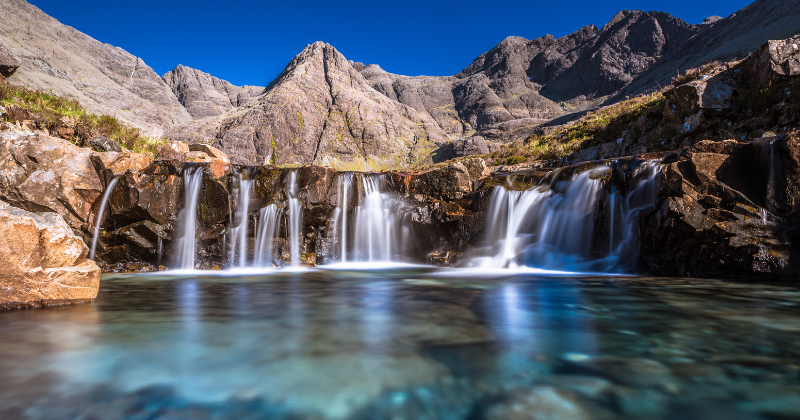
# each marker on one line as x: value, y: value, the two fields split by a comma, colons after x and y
x: 250, y: 42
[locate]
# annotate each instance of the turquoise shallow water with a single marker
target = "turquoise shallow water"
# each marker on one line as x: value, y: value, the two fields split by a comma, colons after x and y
x: 406, y: 343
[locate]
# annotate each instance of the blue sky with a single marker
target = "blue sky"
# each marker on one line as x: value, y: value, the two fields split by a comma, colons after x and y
x: 249, y: 42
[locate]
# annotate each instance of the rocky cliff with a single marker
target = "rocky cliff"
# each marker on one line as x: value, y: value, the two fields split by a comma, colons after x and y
x: 320, y: 110
x: 104, y: 79
x: 204, y: 95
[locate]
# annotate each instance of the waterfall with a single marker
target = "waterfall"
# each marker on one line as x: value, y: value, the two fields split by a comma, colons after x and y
x: 373, y: 235
x: 99, y: 219
x: 239, y: 225
x: 295, y: 219
x: 266, y: 235
x: 552, y: 225
x: 192, y: 179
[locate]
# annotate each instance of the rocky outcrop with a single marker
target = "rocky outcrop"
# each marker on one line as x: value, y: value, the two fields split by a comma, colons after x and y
x: 204, y: 95
x: 103, y: 78
x: 723, y: 211
x: 320, y: 110
x: 730, y: 38
x: 8, y: 63
x: 43, y: 261
x: 39, y: 173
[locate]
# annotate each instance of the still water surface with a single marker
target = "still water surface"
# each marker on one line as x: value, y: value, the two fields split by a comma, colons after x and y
x: 406, y: 343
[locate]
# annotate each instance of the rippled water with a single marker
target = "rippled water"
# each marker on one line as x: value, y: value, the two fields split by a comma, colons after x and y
x: 406, y: 343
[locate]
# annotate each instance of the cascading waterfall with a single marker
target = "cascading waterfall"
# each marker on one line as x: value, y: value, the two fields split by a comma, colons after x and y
x: 185, y: 249
x: 373, y: 235
x: 266, y: 234
x: 239, y: 225
x: 295, y: 218
x: 100, y: 214
x: 552, y: 226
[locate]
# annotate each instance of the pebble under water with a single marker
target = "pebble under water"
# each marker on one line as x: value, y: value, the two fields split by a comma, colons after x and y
x: 406, y: 343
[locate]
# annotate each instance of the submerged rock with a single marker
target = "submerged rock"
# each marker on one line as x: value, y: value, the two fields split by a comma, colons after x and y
x: 43, y: 261
x: 544, y: 403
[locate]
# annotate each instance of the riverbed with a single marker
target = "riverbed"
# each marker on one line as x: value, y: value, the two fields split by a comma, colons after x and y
x: 406, y: 342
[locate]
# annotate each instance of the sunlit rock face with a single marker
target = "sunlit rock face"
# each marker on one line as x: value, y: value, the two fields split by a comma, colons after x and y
x: 320, y: 110
x: 43, y: 261
x: 103, y: 78
x: 40, y: 173
x: 204, y: 95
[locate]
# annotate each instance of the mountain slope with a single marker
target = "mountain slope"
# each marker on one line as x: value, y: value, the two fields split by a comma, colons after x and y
x: 722, y: 39
x: 204, y: 95
x: 103, y: 78
x: 320, y: 110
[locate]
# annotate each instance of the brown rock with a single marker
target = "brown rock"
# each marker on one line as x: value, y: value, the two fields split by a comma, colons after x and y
x: 43, y: 260
x: 213, y: 152
x: 173, y: 150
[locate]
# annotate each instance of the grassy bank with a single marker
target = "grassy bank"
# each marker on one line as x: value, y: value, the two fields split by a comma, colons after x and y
x: 66, y: 118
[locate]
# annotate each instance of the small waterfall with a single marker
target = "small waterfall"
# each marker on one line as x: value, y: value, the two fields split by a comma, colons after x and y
x: 266, y: 235
x: 295, y: 219
x: 100, y: 214
x: 192, y: 180
x: 374, y: 234
x: 552, y: 226
x: 239, y: 225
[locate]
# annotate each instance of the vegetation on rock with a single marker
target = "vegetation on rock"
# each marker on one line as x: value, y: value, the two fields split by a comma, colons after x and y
x: 67, y: 118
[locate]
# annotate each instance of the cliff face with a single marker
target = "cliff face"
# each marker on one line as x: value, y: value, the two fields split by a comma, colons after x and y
x: 204, y: 95
x: 103, y: 78
x: 320, y: 110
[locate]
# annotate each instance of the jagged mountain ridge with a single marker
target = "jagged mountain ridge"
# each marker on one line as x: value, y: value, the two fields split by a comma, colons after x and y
x: 503, y: 95
x: 320, y: 110
x: 204, y: 95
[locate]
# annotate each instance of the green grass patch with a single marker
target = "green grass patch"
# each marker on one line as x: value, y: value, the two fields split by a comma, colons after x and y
x: 56, y: 113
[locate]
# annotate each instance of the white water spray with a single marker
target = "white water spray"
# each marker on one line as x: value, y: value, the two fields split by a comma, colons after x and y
x: 266, y: 235
x: 99, y: 219
x: 239, y: 225
x: 552, y: 225
x: 375, y: 229
x: 295, y: 219
x: 185, y: 252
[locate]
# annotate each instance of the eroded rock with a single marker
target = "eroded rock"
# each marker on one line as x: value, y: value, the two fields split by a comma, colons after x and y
x: 43, y: 261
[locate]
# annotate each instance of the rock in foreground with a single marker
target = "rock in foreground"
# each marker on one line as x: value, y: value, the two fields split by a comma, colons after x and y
x: 43, y: 261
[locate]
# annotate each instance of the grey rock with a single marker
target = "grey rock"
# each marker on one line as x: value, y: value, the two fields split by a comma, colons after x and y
x: 8, y: 62
x: 320, y: 110
x: 2, y: 110
x: 104, y: 144
x: 475, y: 145
x: 711, y: 19
x: 204, y: 95
x: 103, y: 78
x: 733, y: 37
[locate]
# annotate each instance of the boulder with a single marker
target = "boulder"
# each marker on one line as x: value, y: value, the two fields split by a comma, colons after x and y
x: 212, y: 152
x: 173, y: 150
x: 43, y: 261
x: 475, y: 145
x: 103, y: 144
x: 8, y: 62
x: 710, y: 218
x: 774, y: 60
